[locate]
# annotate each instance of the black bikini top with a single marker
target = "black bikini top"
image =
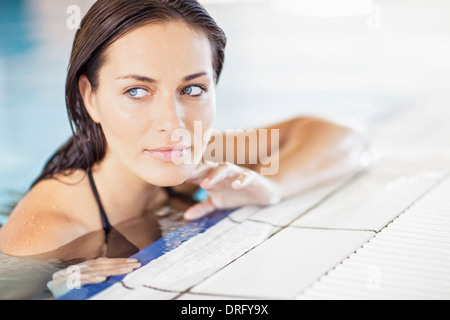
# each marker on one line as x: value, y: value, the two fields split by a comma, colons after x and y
x: 117, y: 246
x: 106, y: 224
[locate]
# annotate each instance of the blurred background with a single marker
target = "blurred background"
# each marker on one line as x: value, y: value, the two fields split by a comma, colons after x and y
x: 369, y: 61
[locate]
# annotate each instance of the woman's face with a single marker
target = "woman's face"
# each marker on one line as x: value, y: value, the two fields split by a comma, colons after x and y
x: 157, y: 81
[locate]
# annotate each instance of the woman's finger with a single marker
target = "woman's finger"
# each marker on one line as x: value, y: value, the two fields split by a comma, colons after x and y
x: 200, y: 210
x: 98, y: 266
x: 218, y: 174
x: 202, y: 172
x: 109, y: 261
x: 95, y: 271
x: 91, y: 279
x: 114, y: 271
x: 105, y: 263
x: 242, y: 181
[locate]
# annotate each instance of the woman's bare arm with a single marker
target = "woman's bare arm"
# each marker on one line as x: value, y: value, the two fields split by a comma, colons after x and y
x: 298, y: 154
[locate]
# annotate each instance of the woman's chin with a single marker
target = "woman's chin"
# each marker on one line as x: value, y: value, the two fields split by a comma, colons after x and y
x: 165, y: 178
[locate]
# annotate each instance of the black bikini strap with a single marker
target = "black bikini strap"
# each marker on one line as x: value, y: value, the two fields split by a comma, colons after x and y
x: 170, y: 191
x: 106, y: 225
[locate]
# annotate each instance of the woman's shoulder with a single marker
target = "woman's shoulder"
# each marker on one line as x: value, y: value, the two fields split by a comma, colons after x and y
x: 47, y: 216
x: 57, y: 193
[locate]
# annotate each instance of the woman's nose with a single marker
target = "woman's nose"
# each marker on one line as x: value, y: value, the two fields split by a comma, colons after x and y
x: 170, y: 116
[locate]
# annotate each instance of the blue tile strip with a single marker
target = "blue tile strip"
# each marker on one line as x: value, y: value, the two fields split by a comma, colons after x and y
x: 153, y: 251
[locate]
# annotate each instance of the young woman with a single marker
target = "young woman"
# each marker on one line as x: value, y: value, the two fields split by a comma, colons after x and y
x: 139, y: 71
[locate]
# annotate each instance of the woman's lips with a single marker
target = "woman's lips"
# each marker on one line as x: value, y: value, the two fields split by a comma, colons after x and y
x: 168, y: 154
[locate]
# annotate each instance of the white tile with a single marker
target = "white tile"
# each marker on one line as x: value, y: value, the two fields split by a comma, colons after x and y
x: 244, y: 213
x: 119, y: 292
x: 290, y: 209
x: 424, y: 162
x: 423, y: 126
x: 369, y: 203
x: 190, y: 247
x: 407, y: 260
x: 200, y: 256
x: 191, y: 296
x: 285, y: 264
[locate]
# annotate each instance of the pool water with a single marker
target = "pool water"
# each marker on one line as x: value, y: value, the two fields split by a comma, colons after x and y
x: 3, y: 219
x: 24, y: 278
x: 27, y: 277
x: 33, y: 120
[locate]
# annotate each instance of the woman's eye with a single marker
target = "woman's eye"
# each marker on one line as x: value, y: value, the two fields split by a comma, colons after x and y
x: 137, y: 93
x: 193, y: 91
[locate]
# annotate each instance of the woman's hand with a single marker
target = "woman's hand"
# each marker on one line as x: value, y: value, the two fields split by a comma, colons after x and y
x: 89, y: 272
x: 230, y: 186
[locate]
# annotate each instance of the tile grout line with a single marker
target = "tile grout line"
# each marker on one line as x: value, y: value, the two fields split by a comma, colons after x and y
x: 334, y: 229
x: 180, y: 293
x: 167, y: 290
x: 320, y: 202
x: 221, y: 295
x: 191, y: 231
x: 283, y: 227
x: 349, y: 181
x: 148, y: 286
x: 188, y: 290
x: 434, y: 186
x: 425, y: 193
x: 345, y: 184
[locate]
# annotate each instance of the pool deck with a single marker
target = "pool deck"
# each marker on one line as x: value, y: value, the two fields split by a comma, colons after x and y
x: 382, y: 234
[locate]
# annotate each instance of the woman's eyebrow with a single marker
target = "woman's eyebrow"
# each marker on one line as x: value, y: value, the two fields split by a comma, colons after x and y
x: 194, y: 76
x: 137, y: 77
x: 150, y: 80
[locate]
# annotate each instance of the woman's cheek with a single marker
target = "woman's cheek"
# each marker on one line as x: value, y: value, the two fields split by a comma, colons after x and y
x: 122, y: 131
x: 203, y: 131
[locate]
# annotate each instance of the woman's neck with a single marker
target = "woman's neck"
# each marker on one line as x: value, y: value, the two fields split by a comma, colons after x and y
x: 124, y: 196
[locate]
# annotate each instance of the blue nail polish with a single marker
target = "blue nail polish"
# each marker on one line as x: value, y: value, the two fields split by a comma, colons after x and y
x: 200, y: 195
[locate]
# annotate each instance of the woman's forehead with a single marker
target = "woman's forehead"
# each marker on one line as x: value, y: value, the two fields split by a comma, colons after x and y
x: 170, y: 47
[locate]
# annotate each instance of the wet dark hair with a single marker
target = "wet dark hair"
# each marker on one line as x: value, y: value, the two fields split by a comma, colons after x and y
x: 106, y: 22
